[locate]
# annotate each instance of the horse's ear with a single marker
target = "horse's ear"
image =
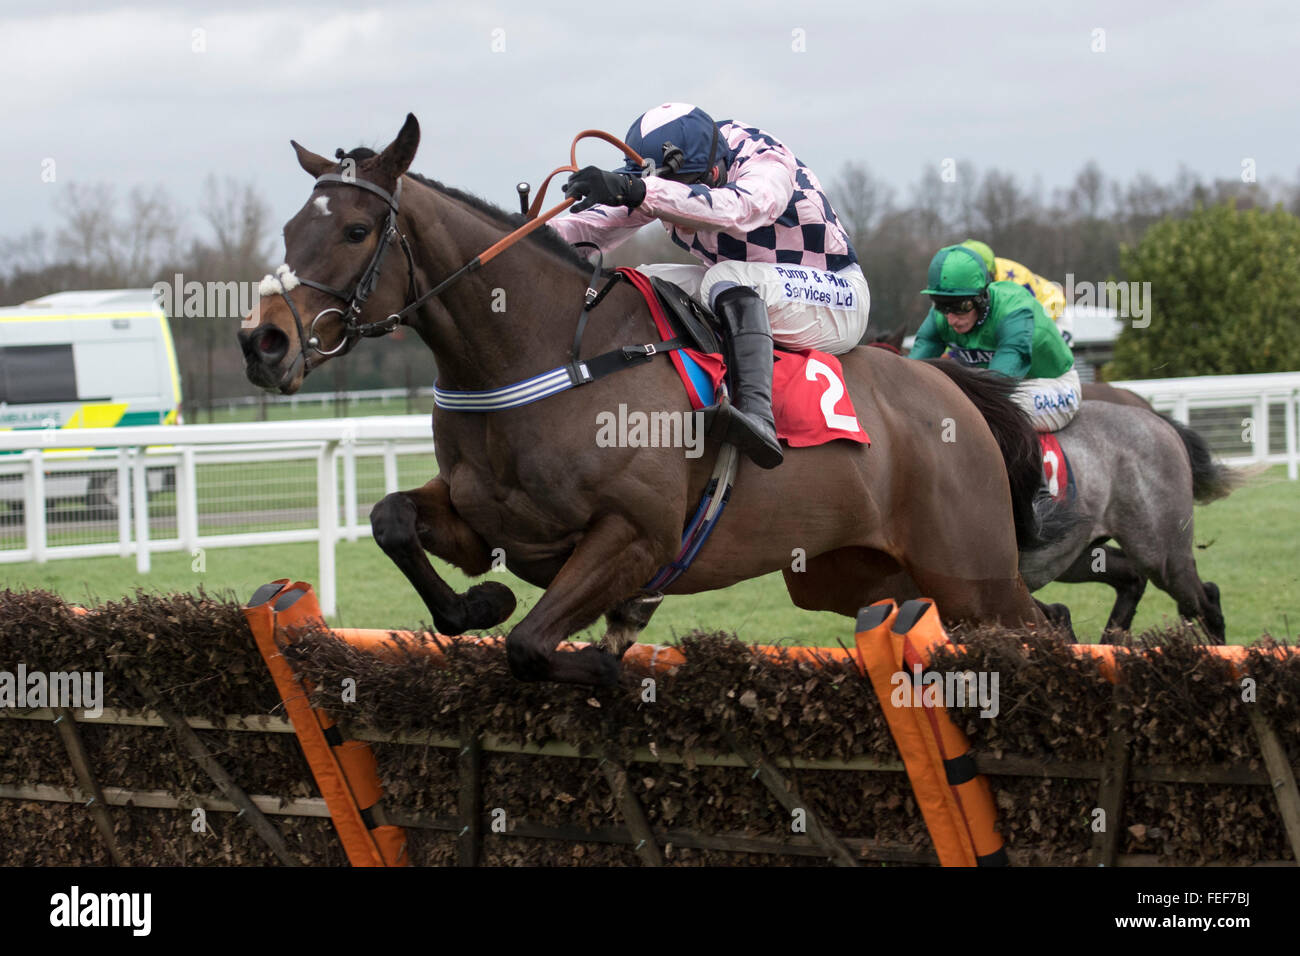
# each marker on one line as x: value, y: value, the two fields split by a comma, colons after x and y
x: 316, y: 165
x: 397, y: 155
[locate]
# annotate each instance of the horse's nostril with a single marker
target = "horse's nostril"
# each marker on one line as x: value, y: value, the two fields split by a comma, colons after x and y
x: 266, y: 345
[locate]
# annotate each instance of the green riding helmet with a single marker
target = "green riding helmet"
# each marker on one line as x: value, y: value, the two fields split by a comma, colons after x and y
x: 985, y: 253
x: 957, y: 271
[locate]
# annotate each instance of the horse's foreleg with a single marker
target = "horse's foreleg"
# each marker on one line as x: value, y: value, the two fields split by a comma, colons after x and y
x: 408, y: 523
x: 612, y: 560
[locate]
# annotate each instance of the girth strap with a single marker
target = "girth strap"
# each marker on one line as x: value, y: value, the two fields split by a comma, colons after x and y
x: 557, y: 380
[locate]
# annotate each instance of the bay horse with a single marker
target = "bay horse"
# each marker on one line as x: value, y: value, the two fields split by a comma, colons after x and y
x: 940, y: 503
x: 1138, y: 474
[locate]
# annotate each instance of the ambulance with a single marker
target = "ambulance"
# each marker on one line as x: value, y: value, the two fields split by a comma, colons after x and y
x: 97, y: 359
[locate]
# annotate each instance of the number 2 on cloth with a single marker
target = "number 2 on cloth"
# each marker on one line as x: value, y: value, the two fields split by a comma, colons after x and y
x: 834, y: 392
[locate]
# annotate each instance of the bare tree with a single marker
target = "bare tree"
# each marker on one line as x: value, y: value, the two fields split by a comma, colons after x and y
x: 240, y: 220
x: 1088, y: 193
x: 151, y: 233
x: 861, y: 200
x: 999, y: 206
x: 29, y: 253
x: 88, y: 237
x: 118, y: 251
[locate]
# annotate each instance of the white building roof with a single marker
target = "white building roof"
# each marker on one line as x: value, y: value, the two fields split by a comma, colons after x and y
x: 1093, y: 325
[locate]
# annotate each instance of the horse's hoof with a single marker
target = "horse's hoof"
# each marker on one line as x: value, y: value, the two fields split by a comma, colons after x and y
x: 481, y: 607
x: 488, y: 604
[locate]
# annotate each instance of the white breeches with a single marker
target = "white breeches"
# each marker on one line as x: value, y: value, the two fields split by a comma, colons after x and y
x: 1051, y: 403
x: 808, y: 308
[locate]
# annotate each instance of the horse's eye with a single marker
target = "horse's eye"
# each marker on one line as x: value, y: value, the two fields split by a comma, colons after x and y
x: 356, y: 233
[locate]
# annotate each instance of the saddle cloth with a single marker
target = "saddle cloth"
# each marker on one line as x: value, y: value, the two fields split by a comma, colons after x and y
x: 809, y: 401
x: 1057, y: 474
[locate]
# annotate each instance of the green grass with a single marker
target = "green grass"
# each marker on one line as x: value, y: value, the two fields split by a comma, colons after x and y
x: 1246, y: 543
x: 1251, y: 551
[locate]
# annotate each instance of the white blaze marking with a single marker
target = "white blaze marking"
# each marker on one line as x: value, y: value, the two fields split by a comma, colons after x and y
x: 322, y: 203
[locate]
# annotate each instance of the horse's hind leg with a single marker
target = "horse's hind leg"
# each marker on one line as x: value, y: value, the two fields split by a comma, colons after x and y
x: 1174, y: 572
x: 408, y: 523
x: 1214, y: 612
x: 1194, y: 603
x: 612, y: 560
x: 1121, y: 572
x: 846, y: 579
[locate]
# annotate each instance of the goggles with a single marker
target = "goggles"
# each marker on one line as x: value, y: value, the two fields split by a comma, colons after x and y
x: 946, y: 305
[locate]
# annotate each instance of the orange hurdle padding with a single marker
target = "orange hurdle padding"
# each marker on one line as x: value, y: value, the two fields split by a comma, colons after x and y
x: 345, y: 771
x: 881, y: 653
x: 353, y: 762
x: 918, y: 624
x: 655, y: 658
x: 1108, y: 656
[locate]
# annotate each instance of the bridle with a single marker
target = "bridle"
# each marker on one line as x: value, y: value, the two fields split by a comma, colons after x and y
x: 353, y: 329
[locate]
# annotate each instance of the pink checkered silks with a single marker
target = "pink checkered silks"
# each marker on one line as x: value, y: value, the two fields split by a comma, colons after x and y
x: 771, y: 216
x: 772, y: 209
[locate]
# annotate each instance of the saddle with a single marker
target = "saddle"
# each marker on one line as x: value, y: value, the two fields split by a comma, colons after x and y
x: 809, y: 400
x: 689, y: 319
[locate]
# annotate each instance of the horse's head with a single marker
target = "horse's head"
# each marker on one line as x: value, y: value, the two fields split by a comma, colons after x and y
x: 332, y: 289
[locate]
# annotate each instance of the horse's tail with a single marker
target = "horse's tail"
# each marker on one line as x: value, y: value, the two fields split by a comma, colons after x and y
x: 1211, y: 479
x: 1039, y: 520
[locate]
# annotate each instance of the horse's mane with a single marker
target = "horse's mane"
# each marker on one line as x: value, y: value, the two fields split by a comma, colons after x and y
x: 545, y: 236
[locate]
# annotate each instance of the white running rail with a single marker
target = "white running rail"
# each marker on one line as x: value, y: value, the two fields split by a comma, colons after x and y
x: 1239, y: 414
x: 263, y: 459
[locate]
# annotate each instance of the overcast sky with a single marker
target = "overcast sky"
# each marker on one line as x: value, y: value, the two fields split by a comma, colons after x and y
x: 131, y: 94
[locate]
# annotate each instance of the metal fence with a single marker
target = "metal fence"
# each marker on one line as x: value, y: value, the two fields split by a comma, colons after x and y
x: 77, y: 493
x: 1246, y: 419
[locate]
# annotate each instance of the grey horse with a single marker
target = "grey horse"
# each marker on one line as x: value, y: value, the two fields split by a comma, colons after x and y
x: 1138, y: 474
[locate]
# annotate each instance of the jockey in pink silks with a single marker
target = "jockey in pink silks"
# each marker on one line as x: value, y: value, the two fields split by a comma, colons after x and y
x: 777, y: 265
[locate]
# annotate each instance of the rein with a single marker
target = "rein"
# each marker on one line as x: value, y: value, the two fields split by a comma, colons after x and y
x: 353, y: 329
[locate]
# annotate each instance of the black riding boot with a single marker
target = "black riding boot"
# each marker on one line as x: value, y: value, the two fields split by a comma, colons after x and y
x: 747, y: 421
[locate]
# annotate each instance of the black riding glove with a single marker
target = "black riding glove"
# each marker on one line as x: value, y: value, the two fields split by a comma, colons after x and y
x: 594, y: 186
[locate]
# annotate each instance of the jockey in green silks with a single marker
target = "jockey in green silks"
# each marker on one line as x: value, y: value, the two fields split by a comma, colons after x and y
x: 1002, y: 327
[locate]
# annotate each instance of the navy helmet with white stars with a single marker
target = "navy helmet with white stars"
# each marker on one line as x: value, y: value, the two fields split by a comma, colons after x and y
x: 658, y: 133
